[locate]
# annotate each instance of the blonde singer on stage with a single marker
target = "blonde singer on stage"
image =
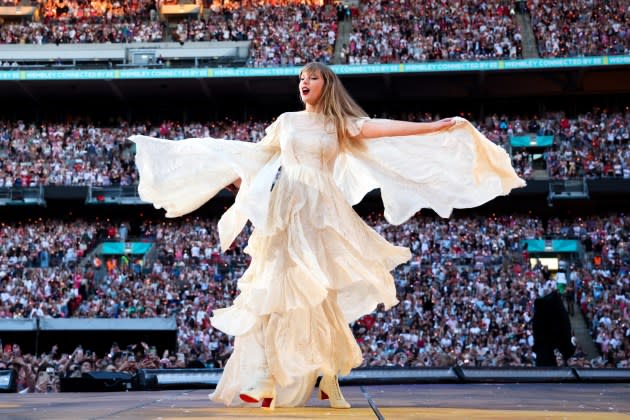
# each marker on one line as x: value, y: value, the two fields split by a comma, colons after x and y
x: 316, y: 265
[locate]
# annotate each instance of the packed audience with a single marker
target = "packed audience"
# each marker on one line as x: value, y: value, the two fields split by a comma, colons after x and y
x: 108, y: 9
x: 602, y: 283
x: 581, y: 28
x: 43, y: 373
x: 466, y: 296
x: 593, y: 145
x: 39, y: 265
x: 120, y: 30
x: 395, y: 32
x: 291, y: 32
x: 73, y: 21
x: 463, y: 298
x: 280, y: 35
x: 81, y: 153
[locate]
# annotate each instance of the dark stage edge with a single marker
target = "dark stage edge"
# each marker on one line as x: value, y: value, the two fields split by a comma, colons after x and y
x: 444, y: 401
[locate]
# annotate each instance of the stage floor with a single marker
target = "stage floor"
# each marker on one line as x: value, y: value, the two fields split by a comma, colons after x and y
x: 460, y: 401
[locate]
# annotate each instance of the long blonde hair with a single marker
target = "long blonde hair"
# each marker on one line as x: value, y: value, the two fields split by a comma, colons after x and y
x: 337, y: 105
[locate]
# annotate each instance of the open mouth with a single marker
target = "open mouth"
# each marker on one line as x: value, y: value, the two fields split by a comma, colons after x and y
x: 305, y: 91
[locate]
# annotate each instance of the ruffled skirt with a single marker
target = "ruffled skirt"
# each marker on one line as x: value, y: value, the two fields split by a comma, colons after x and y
x: 316, y: 266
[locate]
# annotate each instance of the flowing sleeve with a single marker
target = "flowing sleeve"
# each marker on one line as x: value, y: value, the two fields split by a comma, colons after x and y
x: 180, y: 176
x: 454, y: 168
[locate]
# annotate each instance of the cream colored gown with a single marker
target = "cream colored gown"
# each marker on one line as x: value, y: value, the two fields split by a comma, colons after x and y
x: 316, y: 266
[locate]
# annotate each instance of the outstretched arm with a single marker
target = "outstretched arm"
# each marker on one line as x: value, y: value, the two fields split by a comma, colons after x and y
x: 375, y: 128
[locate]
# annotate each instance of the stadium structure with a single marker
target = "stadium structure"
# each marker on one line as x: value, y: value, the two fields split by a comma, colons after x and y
x: 89, y: 273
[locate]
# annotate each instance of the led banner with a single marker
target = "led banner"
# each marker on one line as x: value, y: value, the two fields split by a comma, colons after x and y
x: 535, y: 141
x: 359, y: 69
x: 554, y: 245
x: 121, y: 248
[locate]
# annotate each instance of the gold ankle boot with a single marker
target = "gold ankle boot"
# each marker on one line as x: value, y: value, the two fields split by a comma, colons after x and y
x: 329, y: 390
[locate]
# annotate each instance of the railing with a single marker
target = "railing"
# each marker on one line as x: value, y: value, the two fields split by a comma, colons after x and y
x: 15, y: 196
x: 64, y: 57
x: 569, y: 189
x: 113, y: 195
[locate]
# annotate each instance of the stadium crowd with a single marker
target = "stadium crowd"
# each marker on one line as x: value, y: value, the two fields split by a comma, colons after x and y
x: 594, y: 145
x: 285, y: 34
x: 81, y: 153
x: 395, y: 32
x: 288, y: 35
x: 119, y: 30
x: 108, y: 9
x: 294, y: 32
x: 97, y: 21
x: 466, y: 297
x: 580, y: 28
x: 39, y: 265
x: 602, y: 284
